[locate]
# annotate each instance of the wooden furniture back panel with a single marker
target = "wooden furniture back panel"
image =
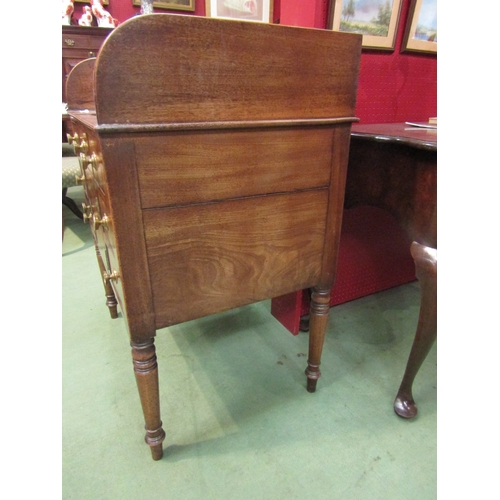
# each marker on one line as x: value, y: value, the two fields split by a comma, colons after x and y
x: 206, y: 166
x: 79, y: 43
x: 242, y: 71
x: 80, y: 95
x: 208, y: 258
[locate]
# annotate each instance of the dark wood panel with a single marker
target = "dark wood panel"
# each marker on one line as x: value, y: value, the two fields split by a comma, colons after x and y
x: 243, y: 71
x: 399, y: 178
x: 205, y: 166
x: 204, y: 259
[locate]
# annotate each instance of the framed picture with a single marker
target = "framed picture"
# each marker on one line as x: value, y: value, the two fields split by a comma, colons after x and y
x: 244, y: 10
x: 421, y: 27
x: 104, y: 2
x: 170, y: 4
x: 376, y: 20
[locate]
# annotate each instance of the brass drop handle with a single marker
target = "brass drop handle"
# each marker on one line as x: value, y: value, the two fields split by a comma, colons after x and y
x: 79, y: 180
x: 100, y: 222
x: 92, y: 160
x: 107, y: 277
x: 72, y: 138
x: 82, y: 147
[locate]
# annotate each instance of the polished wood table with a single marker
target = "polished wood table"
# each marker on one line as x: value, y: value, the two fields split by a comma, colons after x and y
x: 393, y: 166
x: 214, y: 170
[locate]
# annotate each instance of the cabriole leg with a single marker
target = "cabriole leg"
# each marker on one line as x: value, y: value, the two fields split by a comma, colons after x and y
x: 320, y: 305
x: 146, y: 375
x: 426, y: 270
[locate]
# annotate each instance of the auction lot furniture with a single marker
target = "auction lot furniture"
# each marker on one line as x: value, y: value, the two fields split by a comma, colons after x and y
x: 78, y: 43
x: 393, y: 168
x: 214, y: 169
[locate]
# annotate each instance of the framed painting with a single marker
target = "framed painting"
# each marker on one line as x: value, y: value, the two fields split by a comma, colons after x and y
x: 170, y: 4
x: 104, y: 2
x: 421, y: 27
x: 376, y: 20
x: 244, y: 10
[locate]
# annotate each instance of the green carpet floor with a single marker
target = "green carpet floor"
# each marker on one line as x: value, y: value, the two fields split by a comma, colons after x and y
x: 239, y: 422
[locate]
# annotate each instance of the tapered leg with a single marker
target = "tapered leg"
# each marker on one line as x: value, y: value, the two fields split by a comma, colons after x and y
x: 426, y: 270
x: 146, y: 375
x: 111, y: 301
x: 320, y: 304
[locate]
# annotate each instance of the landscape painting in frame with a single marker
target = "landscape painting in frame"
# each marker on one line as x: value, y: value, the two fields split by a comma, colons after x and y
x: 421, y: 27
x: 376, y: 20
x: 244, y: 10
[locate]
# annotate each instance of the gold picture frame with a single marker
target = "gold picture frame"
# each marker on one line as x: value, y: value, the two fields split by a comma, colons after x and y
x: 243, y: 10
x: 421, y: 27
x: 376, y: 20
x: 187, y: 5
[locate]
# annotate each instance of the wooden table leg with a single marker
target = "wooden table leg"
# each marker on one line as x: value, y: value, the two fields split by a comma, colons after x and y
x: 320, y: 305
x: 426, y: 270
x: 146, y: 375
x: 111, y: 301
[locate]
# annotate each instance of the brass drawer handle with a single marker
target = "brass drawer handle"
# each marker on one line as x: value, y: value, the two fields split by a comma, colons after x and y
x: 79, y: 180
x: 72, y: 138
x: 69, y: 42
x: 92, y: 160
x: 107, y: 277
x: 100, y: 222
x: 87, y: 212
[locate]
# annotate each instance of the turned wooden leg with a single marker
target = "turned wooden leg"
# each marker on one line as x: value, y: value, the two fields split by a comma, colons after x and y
x: 111, y: 301
x: 320, y: 304
x: 426, y: 270
x: 146, y: 375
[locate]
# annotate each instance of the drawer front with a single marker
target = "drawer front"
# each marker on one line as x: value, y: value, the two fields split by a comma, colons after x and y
x: 98, y: 213
x: 81, y: 42
x: 207, y: 258
x: 182, y: 168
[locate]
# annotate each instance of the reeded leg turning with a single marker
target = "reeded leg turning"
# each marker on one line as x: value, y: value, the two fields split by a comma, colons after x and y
x: 146, y: 375
x: 426, y: 270
x: 320, y: 305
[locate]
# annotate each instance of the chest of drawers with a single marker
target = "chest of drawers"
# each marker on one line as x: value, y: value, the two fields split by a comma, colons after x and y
x: 78, y: 43
x: 215, y: 177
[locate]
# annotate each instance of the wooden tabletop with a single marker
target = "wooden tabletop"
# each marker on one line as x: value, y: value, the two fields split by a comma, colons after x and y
x: 424, y: 138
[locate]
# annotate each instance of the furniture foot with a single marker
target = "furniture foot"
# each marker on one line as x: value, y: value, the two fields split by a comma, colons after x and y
x: 111, y: 301
x: 426, y: 270
x: 320, y: 305
x: 146, y: 375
